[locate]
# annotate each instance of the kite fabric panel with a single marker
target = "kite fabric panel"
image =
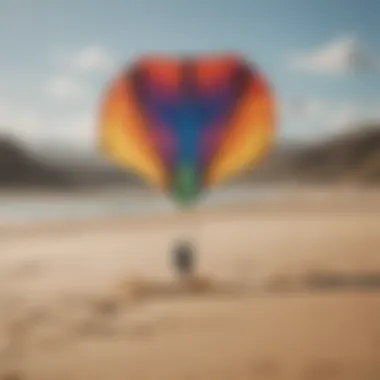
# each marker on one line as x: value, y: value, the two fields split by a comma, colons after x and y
x: 186, y: 125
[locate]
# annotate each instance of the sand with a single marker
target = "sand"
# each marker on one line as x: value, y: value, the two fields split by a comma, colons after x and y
x: 98, y: 300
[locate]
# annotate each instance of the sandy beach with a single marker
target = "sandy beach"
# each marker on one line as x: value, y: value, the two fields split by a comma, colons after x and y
x: 98, y: 300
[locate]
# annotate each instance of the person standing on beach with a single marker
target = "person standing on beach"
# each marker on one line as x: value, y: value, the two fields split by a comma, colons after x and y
x: 183, y: 259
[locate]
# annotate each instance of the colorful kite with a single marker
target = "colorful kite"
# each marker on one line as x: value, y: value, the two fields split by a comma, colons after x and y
x: 186, y: 125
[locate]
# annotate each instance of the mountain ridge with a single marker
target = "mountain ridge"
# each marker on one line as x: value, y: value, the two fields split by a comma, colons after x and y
x: 352, y: 157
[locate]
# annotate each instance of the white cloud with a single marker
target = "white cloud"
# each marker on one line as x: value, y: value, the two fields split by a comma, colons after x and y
x: 344, y: 116
x: 311, y: 117
x: 66, y: 88
x: 71, y: 82
x: 71, y: 119
x: 19, y: 120
x: 338, y: 57
x: 91, y: 58
x: 80, y: 126
x: 34, y: 127
x: 354, y: 115
x: 300, y: 109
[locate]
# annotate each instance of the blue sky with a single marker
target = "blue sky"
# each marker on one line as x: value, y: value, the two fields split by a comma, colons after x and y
x: 322, y: 57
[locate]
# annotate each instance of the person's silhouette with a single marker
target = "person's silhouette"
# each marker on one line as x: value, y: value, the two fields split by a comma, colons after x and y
x: 183, y: 258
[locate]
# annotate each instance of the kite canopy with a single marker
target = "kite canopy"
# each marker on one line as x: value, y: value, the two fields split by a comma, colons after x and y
x: 186, y: 125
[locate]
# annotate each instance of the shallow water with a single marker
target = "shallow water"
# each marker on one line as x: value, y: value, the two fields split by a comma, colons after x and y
x: 26, y: 208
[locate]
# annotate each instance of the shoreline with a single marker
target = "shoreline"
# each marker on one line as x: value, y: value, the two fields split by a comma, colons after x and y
x: 276, y: 210
x: 16, y: 193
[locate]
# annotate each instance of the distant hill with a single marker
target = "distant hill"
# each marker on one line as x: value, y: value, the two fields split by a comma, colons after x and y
x: 18, y: 168
x: 353, y: 157
x: 99, y: 174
